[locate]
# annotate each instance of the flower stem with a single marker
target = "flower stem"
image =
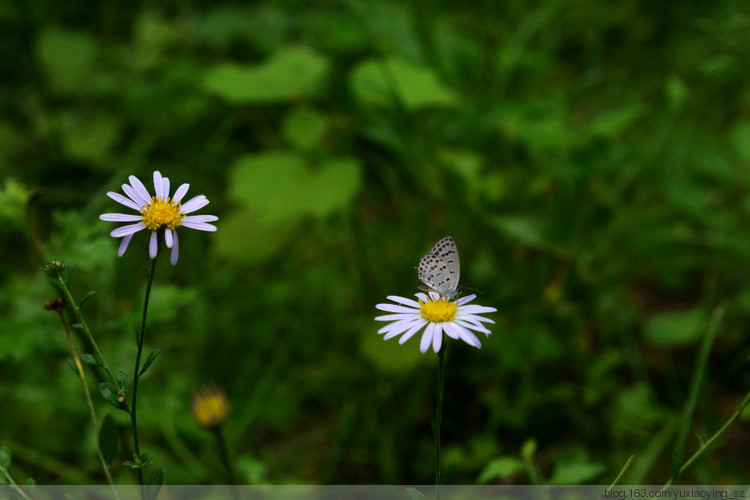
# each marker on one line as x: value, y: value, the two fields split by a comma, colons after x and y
x: 84, y: 327
x: 12, y: 483
x: 89, y: 402
x: 139, y: 342
x: 221, y: 443
x: 439, y: 416
x: 713, y: 438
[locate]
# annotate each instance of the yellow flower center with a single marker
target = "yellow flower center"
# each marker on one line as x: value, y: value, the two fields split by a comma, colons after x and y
x: 438, y: 311
x: 162, y: 213
x: 210, y: 410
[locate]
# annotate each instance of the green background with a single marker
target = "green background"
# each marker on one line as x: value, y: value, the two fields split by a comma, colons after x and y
x: 591, y: 159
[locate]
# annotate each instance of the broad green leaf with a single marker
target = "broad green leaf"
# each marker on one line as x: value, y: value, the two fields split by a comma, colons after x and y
x: 575, y: 473
x: 499, y: 468
x: 67, y: 58
x: 305, y: 128
x: 380, y: 82
x: 155, y: 480
x: 280, y: 186
x: 676, y: 328
x: 291, y: 73
x: 108, y: 438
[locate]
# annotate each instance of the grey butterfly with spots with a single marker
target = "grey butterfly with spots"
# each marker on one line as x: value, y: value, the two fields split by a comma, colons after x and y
x: 440, y: 269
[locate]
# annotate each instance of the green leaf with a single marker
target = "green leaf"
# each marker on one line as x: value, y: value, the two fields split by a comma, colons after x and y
x: 85, y: 298
x: 110, y: 393
x: 67, y: 58
x: 415, y: 494
x: 108, y: 438
x: 155, y: 480
x: 304, y: 128
x: 299, y: 189
x: 381, y: 82
x: 149, y: 360
x: 90, y: 359
x: 528, y: 450
x: 122, y: 379
x: 575, y: 473
x: 676, y: 328
x: 448, y: 474
x: 499, y: 468
x: 6, y: 457
x: 520, y: 228
x: 291, y: 73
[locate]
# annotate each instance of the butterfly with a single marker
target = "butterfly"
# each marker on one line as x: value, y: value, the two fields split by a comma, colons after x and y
x: 440, y: 269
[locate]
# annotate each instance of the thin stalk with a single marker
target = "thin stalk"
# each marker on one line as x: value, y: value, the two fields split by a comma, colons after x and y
x: 439, y: 415
x: 221, y: 443
x: 89, y: 402
x: 713, y: 438
x: 12, y: 483
x: 622, y: 471
x: 84, y: 327
x: 139, y: 341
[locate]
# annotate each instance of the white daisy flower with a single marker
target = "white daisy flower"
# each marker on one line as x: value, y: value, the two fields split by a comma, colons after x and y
x: 436, y: 315
x: 157, y: 212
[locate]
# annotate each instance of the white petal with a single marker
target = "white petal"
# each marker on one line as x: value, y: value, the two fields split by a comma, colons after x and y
x: 422, y: 296
x: 200, y: 218
x: 194, y: 204
x: 464, y: 300
x: 468, y: 337
x: 403, y: 301
x: 410, y: 333
x: 135, y: 195
x: 437, y: 339
x: 426, y: 341
x: 200, y: 226
x: 140, y: 188
x: 126, y: 230
x: 394, y: 317
x: 158, y: 184
x: 402, y: 325
x: 175, y: 250
x: 120, y: 217
x: 394, y: 308
x: 124, y: 201
x: 165, y: 187
x: 153, y: 245
x: 168, y: 237
x: 473, y: 326
x: 124, y: 245
x: 477, y: 309
x: 181, y: 191
x: 450, y: 331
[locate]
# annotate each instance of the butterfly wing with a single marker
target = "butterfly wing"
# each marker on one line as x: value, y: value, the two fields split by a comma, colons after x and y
x: 440, y: 269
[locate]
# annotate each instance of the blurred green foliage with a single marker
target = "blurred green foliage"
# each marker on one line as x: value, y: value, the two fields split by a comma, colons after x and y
x: 592, y: 160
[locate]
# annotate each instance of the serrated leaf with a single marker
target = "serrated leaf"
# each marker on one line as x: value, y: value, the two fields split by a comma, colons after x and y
x: 155, y: 480
x: 85, y: 298
x: 415, y: 494
x: 448, y: 474
x: 90, y: 359
x: 6, y: 457
x: 108, y: 438
x: 500, y: 468
x: 149, y: 360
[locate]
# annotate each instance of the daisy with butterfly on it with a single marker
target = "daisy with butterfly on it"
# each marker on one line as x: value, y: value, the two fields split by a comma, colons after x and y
x: 439, y: 310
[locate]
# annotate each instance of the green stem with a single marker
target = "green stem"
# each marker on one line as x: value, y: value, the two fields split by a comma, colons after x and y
x: 622, y: 471
x: 139, y: 341
x: 439, y: 415
x: 12, y: 483
x: 89, y: 402
x: 84, y: 327
x: 221, y: 443
x: 713, y: 438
